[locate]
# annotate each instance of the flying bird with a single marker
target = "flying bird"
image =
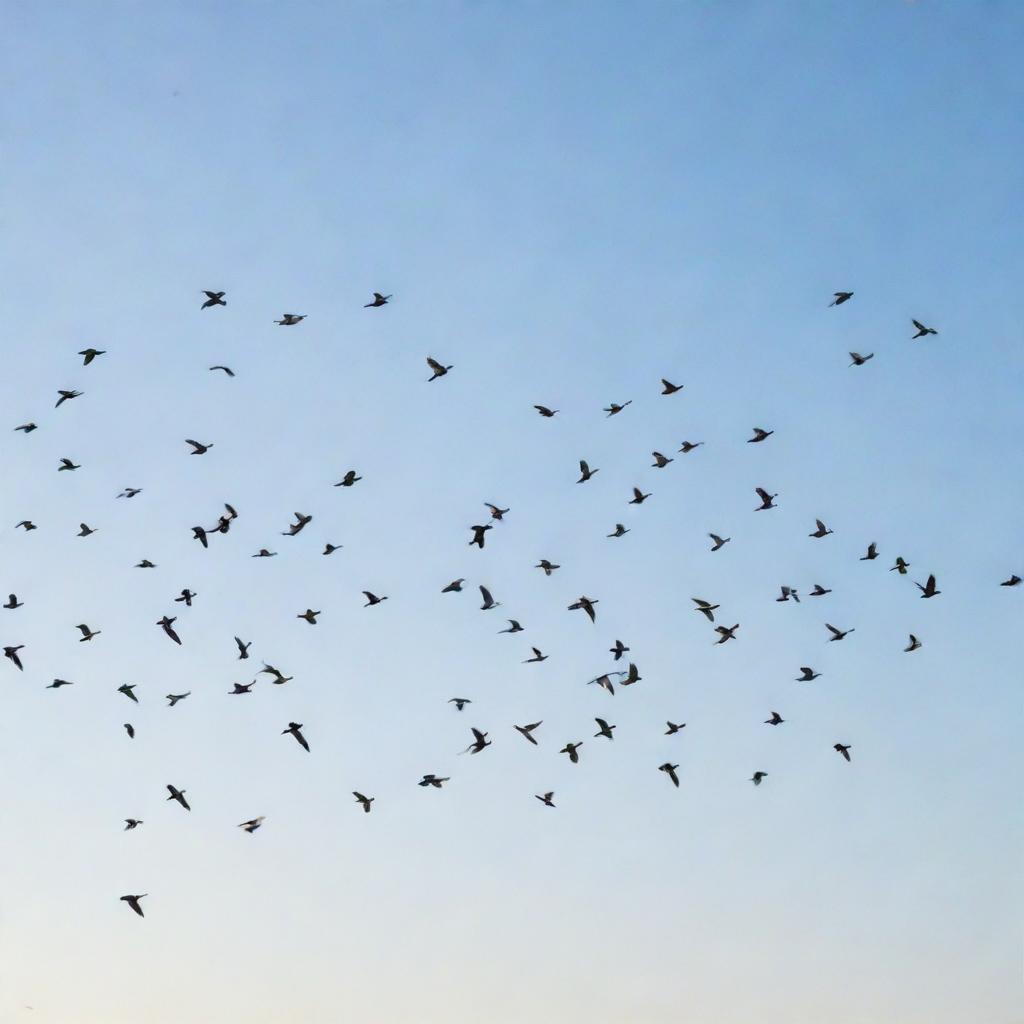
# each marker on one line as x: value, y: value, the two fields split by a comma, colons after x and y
x: 291, y: 319
x: 295, y: 729
x: 757, y: 777
x: 130, y: 492
x: 670, y: 770
x: 537, y: 656
x: 84, y: 530
x: 726, y: 633
x: 585, y: 604
x: 604, y: 729
x: 547, y: 799
x: 252, y: 824
x: 673, y: 728
x: 820, y: 591
x: 776, y: 719
x: 901, y: 566
x: 496, y: 511
x: 842, y: 749
x: 859, y: 360
x: 329, y: 549
x: 130, y: 823
x: 198, y: 448
x: 548, y: 567
x: 513, y: 627
x: 264, y: 553
x: 526, y: 731
x: 58, y: 683
x: 619, y: 531
x: 301, y: 522
x: 605, y: 682
x: 348, y: 479
x: 213, y: 299
x: 378, y: 300
x: 638, y: 497
x: 689, y: 446
x: 26, y: 525
x: 237, y: 688
x: 760, y: 434
x: 89, y: 354
x: 489, y: 601
x: 66, y: 465
x: 133, y: 902
x: 185, y: 597
x: 87, y: 633
x: 718, y: 542
x: 928, y: 590
x: 615, y: 408
x: 438, y: 369
x: 66, y: 396
x: 179, y: 796
x: 572, y: 749
x: 372, y: 599
x: 1013, y: 581
x: 837, y: 634
x: 586, y: 472
x: 365, y: 801
x: 243, y: 648
x: 767, y: 500
x: 821, y: 531
x: 872, y: 553
x: 706, y: 608
x: 11, y: 653
x: 478, y: 535
x: 167, y: 625
x: 922, y: 331
x: 309, y: 615
x: 27, y: 428
x: 807, y: 674
x: 912, y: 644
x: 173, y: 698
x: 840, y: 298
x: 433, y: 780
x: 618, y: 650
x: 545, y: 411
x: 227, y: 370
x: 13, y: 602
x: 660, y: 461
x: 455, y: 587
x: 668, y: 388
x: 459, y: 702
x: 128, y: 689
x: 480, y: 741
x: 787, y: 594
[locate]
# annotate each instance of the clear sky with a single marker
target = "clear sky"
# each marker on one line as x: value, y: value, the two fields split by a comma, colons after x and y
x: 568, y: 201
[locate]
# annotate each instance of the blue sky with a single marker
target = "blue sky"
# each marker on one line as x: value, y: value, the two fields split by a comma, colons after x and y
x: 568, y: 203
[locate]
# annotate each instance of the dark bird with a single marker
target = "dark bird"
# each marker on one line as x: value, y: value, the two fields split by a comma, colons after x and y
x: 128, y: 689
x: 199, y: 534
x: 87, y: 633
x: 277, y: 677
x: 186, y: 597
x: 372, y: 599
x: 901, y: 566
x: 179, y: 795
x: 820, y: 591
x: 840, y: 298
x: 619, y: 531
x: 455, y: 587
x: 689, y: 446
x: 130, y: 492
x: 130, y: 823
x: 912, y: 644
x: 198, y: 448
x: 614, y: 407
x: 726, y: 633
x: 513, y: 627
x: 27, y: 428
x: 459, y: 702
x: 718, y: 542
x: 872, y: 553
x: 213, y: 299
x: 706, y: 608
x: 13, y: 602
x: 660, y: 461
x: 301, y: 522
x: 11, y: 653
x: 670, y: 770
x: 776, y: 719
x: 478, y: 535
x: 89, y: 354
x: 237, y: 688
x: 264, y: 553
x: 26, y: 525
x: 632, y: 676
x: 789, y: 593
x: 673, y: 728
x: 807, y: 674
x: 290, y: 319
x: 133, y: 902
x: 844, y: 750
x: 252, y: 824
x: 572, y: 749
x: 922, y: 331
x: 760, y: 434
x: 480, y: 741
x: 365, y: 801
x: 294, y: 728
x: 859, y: 360
x: 84, y: 530
x: 757, y: 777
x: 618, y: 650
x: 496, y: 511
x: 638, y: 497
x: 837, y: 634
x: 58, y: 683
x: 438, y: 369
x: 378, y: 300
x: 547, y: 799
x: 145, y: 564
x: 309, y: 615
x: 173, y: 698
x: 433, y: 780
x: 586, y: 472
x: 605, y: 682
x: 167, y: 625
x: 226, y: 369
x: 526, y: 731
x: 821, y: 531
x: 329, y: 549
x: 604, y: 729
x: 585, y: 604
x: 767, y: 500
x: 1013, y: 581
x: 489, y: 601
x: 548, y: 567
x: 67, y: 464
x: 348, y: 479
x: 668, y: 388
x: 243, y: 648
x: 545, y: 411
x: 537, y: 656
x: 66, y: 396
x: 928, y: 590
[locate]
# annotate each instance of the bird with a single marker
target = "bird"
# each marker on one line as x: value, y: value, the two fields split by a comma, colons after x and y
x: 455, y: 587
x: 309, y: 615
x: 84, y: 530
x: 513, y: 627
x: 613, y: 408
x: 13, y: 602
x: 173, y: 698
x: 438, y: 369
x: 58, y: 683
x: 807, y: 674
x: 928, y: 590
x: 238, y: 688
x: 329, y: 549
x: 26, y: 525
x: 605, y: 682
x: 290, y: 319
x: 638, y: 497
x: 198, y: 448
x: 130, y: 823
x: 526, y: 731
x: 726, y: 633
x: 186, y: 597
x: 912, y: 644
x: 365, y: 801
x: 586, y: 472
x: 130, y: 492
x: 264, y: 553
x: 252, y: 824
x: 66, y: 465
x: 87, y: 633
x: 673, y: 728
x: 489, y: 601
x: 572, y: 749
x: 821, y: 531
x: 167, y: 625
x: 706, y: 608
x: 619, y: 531
x: 372, y: 599
x: 128, y: 689
x: 922, y: 331
x: 767, y: 500
x: 820, y: 591
x: 689, y: 446
x: 548, y: 567
x: 480, y: 741
x: 670, y: 770
x: 668, y: 388
x: 842, y: 749
x: 760, y: 434
x: 227, y: 370
x: 859, y: 360
x: 295, y: 729
x: 496, y: 511
x: 1013, y: 581
x: 545, y: 411
x: 840, y: 298
x: 871, y: 554
x: 479, y: 535
x: 348, y: 479
x: 660, y: 461
x: 787, y: 593
x: 604, y: 729
x: 27, y: 428
x: 585, y: 604
x: 776, y: 719
x: 278, y: 678
x: 133, y: 902
x: 547, y: 799
x: 89, y: 354
x: 378, y: 300
x: 718, y: 542
x: 757, y: 777
x: 537, y: 656
x: 618, y: 650
x: 433, y: 780
x: 901, y: 566
x: 459, y: 702
x: 213, y: 299
x: 243, y: 648
x: 199, y: 534
x: 66, y: 396
x: 178, y: 795
x: 301, y: 522
x: 11, y: 653
x: 837, y: 634
x: 632, y: 676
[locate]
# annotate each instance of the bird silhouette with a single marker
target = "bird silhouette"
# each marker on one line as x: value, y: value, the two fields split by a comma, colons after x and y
x: 480, y: 741
x: 668, y: 388
x: 767, y: 500
x: 66, y: 396
x: 776, y: 719
x: 586, y: 472
x: 198, y: 448
x: 437, y: 368
x: 585, y: 604
x: 760, y: 434
x: 455, y: 587
x: 11, y: 654
x: 295, y: 729
x: 87, y: 633
x: 378, y: 300
x: 252, y: 824
x: 167, y: 625
x: 821, y: 531
x: 547, y: 799
x: 372, y: 599
x: 213, y: 299
x: 572, y: 749
x: 859, y: 360
x: 922, y: 331
x: 13, y: 602
x: 718, y: 542
x: 133, y: 902
x: 489, y: 601
x: 928, y: 589
x: 243, y: 648
x: 459, y: 702
x: 349, y: 479
x: 537, y: 656
x: 433, y: 780
x: 872, y: 553
x: 604, y: 729
x: 757, y: 777
x: 912, y: 644
x: 526, y: 731
x: 174, y: 698
x: 178, y: 795
x: 226, y: 369
x: 290, y: 319
x: 842, y: 749
x: 807, y: 674
x: 479, y: 534
x: 840, y: 298
x: 365, y: 801
x: 545, y: 411
x: 614, y: 408
x: 670, y: 770
x: 706, y: 608
x: 548, y: 567
x: 618, y: 650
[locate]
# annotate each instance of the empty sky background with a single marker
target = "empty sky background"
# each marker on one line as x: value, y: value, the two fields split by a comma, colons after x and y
x: 568, y: 202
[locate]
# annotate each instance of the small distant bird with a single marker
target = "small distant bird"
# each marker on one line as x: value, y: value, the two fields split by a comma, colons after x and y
x: 767, y: 500
x: 329, y: 549
x: 922, y: 331
x: 301, y: 522
x: 605, y: 682
x: 27, y: 428
x: 513, y: 627
x: 264, y: 553
x: 638, y: 497
x: 718, y: 542
x: 604, y: 729
x: 632, y: 676
x: 842, y: 749
x: 689, y: 446
x: 757, y: 777
x: 859, y: 360
x: 840, y: 298
x: 548, y: 567
x: 821, y: 531
x: 87, y: 633
x: 237, y: 688
x: 673, y: 728
x: 130, y: 492
x: 820, y: 591
x: 84, y: 529
x: 198, y: 448
x: 66, y: 396
x: 872, y: 553
x: 433, y: 780
x: 295, y: 729
x: 199, y: 534
x: 133, y: 902
x: 619, y: 531
x: 278, y: 679
x: 660, y: 461
x: 776, y: 719
x: 128, y: 689
x: 787, y: 593
x: 585, y: 604
x: 572, y: 749
x: 11, y: 653
x: 130, y: 823
x: 173, y: 698
x: 13, y: 602
x: 618, y: 650
x: 901, y: 566
x: 213, y: 299
x: 837, y: 634
x: 67, y: 464
x: 668, y: 388
x: 480, y: 741
x: 760, y: 434
x: 455, y: 587
x: 243, y: 648
x: 252, y: 824
x: 706, y: 608
x: 348, y: 479
x: 372, y: 599
x: 89, y: 354
x: 614, y: 407
x: 167, y: 625
x: 547, y: 799
x: 290, y: 319
x: 537, y: 656
x: 378, y: 300
x: 496, y: 512
x: 526, y: 731
x: 478, y: 535
x: 179, y: 796
x: 459, y: 702
x: 545, y: 411
x: 26, y: 525
x: 670, y: 770
x: 438, y: 369
x: 309, y: 615
x: 365, y: 801
x: 928, y: 590
x: 1013, y: 581
x: 586, y: 472
x: 912, y: 644
x: 186, y: 597
x: 226, y: 369
x: 58, y: 683
x: 726, y: 633
x: 489, y: 601
x: 807, y: 674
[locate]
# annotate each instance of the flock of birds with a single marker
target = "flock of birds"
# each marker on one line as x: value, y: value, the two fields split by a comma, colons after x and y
x: 479, y: 533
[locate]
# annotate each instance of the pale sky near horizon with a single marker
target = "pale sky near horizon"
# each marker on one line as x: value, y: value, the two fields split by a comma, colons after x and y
x: 568, y: 203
